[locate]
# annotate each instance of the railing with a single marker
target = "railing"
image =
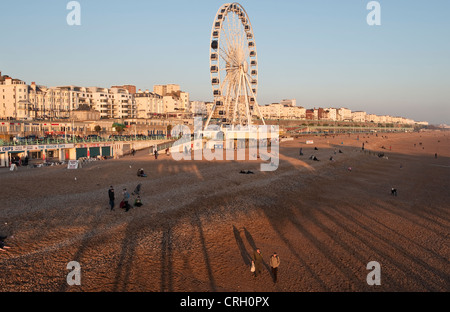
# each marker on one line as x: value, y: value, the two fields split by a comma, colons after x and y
x: 81, y: 140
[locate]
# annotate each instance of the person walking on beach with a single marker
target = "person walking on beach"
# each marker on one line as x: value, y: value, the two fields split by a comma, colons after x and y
x: 111, y: 197
x: 258, y: 261
x: 274, y: 264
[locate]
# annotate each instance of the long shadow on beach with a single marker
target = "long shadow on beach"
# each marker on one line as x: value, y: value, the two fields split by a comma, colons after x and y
x: 125, y: 265
x: 246, y: 258
x: 166, y: 283
x: 197, y: 221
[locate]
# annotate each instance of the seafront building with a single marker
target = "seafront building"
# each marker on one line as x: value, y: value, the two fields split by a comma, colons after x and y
x: 148, y: 104
x: 20, y: 101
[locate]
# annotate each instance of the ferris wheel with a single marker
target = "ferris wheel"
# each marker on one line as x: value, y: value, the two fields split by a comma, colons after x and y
x: 233, y: 67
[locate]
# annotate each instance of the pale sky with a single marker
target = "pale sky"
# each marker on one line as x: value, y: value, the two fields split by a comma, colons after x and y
x: 320, y: 52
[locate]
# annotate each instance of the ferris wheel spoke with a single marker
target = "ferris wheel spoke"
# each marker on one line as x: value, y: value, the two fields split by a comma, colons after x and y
x: 227, y: 56
x: 234, y: 85
x: 227, y: 43
x: 236, y: 107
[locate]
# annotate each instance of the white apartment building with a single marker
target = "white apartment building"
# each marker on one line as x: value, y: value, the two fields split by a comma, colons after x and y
x: 372, y: 118
x: 148, y: 104
x: 294, y: 112
x: 291, y: 102
x: 21, y: 101
x: 408, y: 121
x: 288, y: 111
x: 266, y: 111
x: 174, y: 103
x: 281, y: 111
x: 359, y: 116
x: 332, y: 114
x: 316, y: 114
x: 114, y: 103
x: 184, y: 101
x: 164, y: 90
x: 397, y: 120
x: 102, y: 101
x: 123, y: 105
x: 14, y: 99
x: 344, y: 114
x: 300, y: 112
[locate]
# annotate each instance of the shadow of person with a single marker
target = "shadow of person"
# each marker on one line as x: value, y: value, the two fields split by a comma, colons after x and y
x: 244, y: 254
x: 249, y: 238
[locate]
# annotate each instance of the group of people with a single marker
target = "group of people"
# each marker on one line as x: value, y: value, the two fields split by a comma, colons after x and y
x: 19, y: 161
x: 313, y: 157
x: 124, y: 204
x: 155, y: 152
x: 257, y: 263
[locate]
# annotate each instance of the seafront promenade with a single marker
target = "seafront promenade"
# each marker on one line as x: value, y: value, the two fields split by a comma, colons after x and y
x: 43, y: 150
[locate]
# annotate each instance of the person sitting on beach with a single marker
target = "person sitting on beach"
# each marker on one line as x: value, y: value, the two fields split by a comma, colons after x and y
x: 138, y: 202
x: 141, y: 173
